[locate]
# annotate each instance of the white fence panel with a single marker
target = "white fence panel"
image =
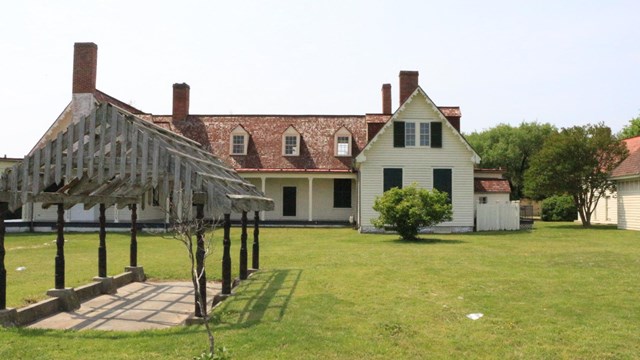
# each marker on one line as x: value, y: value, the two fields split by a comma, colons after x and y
x: 494, y: 217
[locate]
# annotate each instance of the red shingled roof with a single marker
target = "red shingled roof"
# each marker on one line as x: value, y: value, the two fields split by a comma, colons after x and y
x: 491, y: 186
x: 265, y: 139
x: 631, y: 165
x: 264, y: 151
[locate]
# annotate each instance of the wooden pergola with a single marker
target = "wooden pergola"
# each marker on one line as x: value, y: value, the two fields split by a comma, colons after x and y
x: 113, y: 158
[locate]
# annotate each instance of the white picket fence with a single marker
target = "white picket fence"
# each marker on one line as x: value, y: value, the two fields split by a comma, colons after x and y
x: 500, y: 216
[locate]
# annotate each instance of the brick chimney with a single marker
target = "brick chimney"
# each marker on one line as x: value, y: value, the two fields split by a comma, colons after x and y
x: 386, y: 98
x: 408, y: 84
x: 180, y: 101
x: 85, y: 63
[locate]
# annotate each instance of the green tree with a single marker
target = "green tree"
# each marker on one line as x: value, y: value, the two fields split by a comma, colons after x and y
x: 511, y: 148
x: 576, y: 162
x: 411, y: 208
x: 632, y: 129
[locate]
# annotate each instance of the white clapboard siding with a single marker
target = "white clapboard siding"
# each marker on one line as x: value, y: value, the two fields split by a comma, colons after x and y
x: 629, y: 204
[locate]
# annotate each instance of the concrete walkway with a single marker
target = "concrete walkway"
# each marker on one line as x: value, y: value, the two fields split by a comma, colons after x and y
x: 136, y: 306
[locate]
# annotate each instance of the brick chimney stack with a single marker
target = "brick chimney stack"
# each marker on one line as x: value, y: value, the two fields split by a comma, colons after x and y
x: 180, y: 101
x: 408, y: 84
x: 386, y: 98
x: 85, y: 63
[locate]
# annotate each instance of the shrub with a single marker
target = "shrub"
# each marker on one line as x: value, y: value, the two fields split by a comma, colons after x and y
x: 410, y: 208
x: 559, y: 208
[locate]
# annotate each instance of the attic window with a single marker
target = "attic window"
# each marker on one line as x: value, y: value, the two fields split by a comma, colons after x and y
x: 239, y: 141
x: 414, y: 133
x: 342, y: 140
x: 291, y: 142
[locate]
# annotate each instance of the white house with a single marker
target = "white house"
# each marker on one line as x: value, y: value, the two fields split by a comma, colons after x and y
x: 627, y: 178
x: 418, y: 145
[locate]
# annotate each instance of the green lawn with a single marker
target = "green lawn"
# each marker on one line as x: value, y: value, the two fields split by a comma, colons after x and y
x: 559, y: 291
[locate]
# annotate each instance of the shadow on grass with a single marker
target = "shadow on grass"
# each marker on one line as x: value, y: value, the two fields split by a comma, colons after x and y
x: 499, y: 233
x: 264, y: 297
x: 425, y: 241
x: 578, y: 226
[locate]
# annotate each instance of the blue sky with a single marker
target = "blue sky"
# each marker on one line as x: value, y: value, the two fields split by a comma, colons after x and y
x: 563, y: 62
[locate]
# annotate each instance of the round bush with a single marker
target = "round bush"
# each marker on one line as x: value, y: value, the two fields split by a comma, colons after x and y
x: 559, y: 208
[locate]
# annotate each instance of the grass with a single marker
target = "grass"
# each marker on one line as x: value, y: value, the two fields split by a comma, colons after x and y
x: 559, y: 291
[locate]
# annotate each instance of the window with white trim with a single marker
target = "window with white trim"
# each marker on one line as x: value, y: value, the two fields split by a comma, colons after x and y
x: 427, y: 134
x: 342, y: 140
x: 291, y: 142
x: 410, y: 134
x: 424, y: 134
x: 239, y: 141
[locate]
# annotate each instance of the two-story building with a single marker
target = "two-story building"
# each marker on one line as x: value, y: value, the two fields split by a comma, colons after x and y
x: 319, y: 169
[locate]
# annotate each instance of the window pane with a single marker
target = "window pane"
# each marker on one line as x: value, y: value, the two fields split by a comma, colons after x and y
x: 410, y: 134
x: 341, y: 193
x: 424, y: 134
x: 290, y: 145
x: 238, y: 144
x: 343, y: 145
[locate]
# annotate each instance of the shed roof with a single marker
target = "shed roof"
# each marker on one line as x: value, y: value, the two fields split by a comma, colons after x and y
x: 491, y: 186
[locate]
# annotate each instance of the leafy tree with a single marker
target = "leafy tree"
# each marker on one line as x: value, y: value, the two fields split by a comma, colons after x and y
x: 632, y: 129
x: 576, y: 162
x: 411, y: 208
x: 511, y: 148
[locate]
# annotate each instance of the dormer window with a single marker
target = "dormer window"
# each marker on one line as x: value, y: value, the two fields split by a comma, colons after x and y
x: 342, y: 140
x: 239, y: 141
x: 291, y: 142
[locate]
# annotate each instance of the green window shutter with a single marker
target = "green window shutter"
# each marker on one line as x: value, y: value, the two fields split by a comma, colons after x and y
x: 392, y: 178
x: 442, y: 181
x: 436, y: 134
x: 398, y: 134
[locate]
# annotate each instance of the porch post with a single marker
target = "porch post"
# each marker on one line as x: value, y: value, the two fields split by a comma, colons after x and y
x: 102, y: 248
x: 226, y: 256
x: 310, y: 199
x: 243, y: 247
x: 256, y: 241
x: 200, y: 270
x: 264, y: 191
x: 59, y: 261
x: 3, y: 270
x: 133, y: 248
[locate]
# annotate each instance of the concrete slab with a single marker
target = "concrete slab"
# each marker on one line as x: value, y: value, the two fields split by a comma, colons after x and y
x: 135, y: 307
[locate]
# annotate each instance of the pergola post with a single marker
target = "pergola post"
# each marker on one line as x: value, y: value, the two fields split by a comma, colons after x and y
x: 138, y: 271
x: 133, y: 248
x: 107, y: 285
x: 226, y: 256
x: 3, y: 270
x: 102, y: 248
x: 256, y: 241
x: 8, y: 317
x: 68, y: 297
x: 243, y: 247
x: 59, y: 263
x: 200, y: 270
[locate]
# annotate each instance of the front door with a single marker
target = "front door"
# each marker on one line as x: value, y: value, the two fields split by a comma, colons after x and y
x: 289, y: 201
